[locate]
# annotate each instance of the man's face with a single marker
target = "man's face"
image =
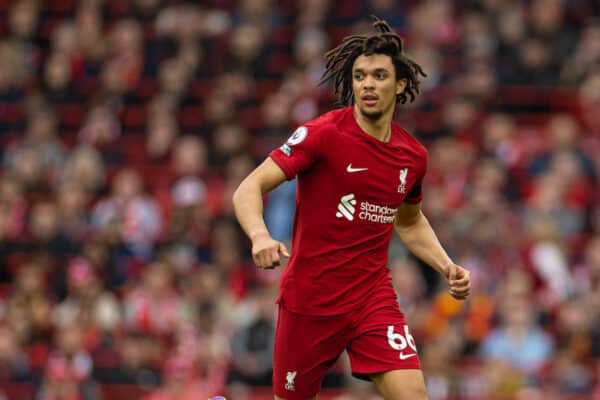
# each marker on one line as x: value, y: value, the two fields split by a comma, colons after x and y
x: 374, y: 85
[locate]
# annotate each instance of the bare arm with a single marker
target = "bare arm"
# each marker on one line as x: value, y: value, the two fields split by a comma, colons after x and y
x: 418, y: 236
x: 248, y: 207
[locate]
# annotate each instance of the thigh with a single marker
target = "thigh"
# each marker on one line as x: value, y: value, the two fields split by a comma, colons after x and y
x: 405, y: 384
x: 305, y: 348
x: 382, y: 342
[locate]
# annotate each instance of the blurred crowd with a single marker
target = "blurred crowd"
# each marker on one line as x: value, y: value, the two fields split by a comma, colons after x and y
x: 126, y: 126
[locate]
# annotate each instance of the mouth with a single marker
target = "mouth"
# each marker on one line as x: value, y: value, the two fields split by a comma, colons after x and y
x: 369, y: 100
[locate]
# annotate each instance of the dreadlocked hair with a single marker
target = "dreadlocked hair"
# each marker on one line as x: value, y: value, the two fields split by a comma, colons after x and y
x: 339, y: 62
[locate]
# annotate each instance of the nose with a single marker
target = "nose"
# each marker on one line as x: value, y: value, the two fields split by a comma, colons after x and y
x: 368, y: 82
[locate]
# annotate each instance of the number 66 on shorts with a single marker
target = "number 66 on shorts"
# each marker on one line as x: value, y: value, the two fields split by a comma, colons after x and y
x: 399, y: 342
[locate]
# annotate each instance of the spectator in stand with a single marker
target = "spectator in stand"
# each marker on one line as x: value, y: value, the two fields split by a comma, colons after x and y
x: 130, y: 213
x: 101, y: 130
x: 46, y: 239
x: 563, y: 135
x: 85, y: 168
x: 93, y: 45
x: 174, y: 78
x: 585, y: 57
x: 161, y: 131
x: 547, y: 22
x: 24, y: 24
x: 126, y: 51
x: 252, y: 344
x: 14, y: 202
x: 136, y: 362
x: 41, y: 137
x: 229, y: 140
x: 153, y: 305
x: 14, y: 363
x: 248, y: 43
x: 58, y: 80
x: 67, y: 374
x: 72, y: 202
x: 519, y: 340
x: 189, y: 157
x: 179, y: 382
x: 28, y: 311
x: 96, y: 311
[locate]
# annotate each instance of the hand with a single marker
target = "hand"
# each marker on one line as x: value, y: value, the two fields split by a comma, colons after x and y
x: 459, y: 280
x: 265, y: 252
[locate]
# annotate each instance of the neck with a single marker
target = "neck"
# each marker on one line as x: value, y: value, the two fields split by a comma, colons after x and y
x: 380, y: 128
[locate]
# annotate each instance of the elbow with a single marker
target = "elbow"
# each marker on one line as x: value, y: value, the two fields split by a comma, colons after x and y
x: 240, y: 194
x: 237, y: 193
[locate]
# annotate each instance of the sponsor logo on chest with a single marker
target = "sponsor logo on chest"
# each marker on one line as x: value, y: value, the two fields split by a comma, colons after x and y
x: 367, y: 211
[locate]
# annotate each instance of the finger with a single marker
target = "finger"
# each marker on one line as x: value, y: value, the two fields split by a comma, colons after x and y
x: 268, y: 261
x: 262, y: 257
x: 460, y: 285
x: 275, y: 261
x: 460, y: 289
x: 256, y: 260
x: 464, y: 293
x: 462, y: 281
x: 274, y: 256
x: 456, y: 286
x: 460, y: 293
x: 269, y: 258
x: 283, y: 250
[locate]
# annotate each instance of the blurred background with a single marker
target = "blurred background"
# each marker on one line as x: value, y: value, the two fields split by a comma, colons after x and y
x: 125, y: 126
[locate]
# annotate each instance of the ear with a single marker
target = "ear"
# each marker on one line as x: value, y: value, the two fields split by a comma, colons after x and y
x: 401, y: 85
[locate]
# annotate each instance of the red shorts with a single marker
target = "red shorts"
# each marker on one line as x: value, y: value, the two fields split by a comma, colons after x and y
x: 376, y: 337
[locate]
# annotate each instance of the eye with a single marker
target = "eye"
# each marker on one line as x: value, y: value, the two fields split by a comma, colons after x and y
x: 358, y: 76
x: 380, y: 75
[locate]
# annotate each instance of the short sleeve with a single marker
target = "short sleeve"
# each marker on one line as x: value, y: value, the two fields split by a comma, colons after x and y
x: 415, y: 194
x: 299, y: 152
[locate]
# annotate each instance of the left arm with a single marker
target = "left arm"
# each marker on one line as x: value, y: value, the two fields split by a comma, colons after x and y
x: 420, y: 239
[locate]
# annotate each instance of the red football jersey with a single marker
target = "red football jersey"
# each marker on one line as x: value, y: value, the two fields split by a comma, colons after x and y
x: 349, y: 187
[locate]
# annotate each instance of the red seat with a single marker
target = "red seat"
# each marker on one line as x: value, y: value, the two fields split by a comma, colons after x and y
x: 69, y: 137
x: 71, y: 115
x: 200, y: 88
x: 48, y: 27
x: 251, y: 117
x: 265, y: 87
x: 133, y: 116
x: 191, y: 116
x: 281, y: 36
x: 60, y: 6
x: 147, y: 87
x: 117, y: 8
x: 278, y: 62
x: 134, y: 149
x: 10, y: 112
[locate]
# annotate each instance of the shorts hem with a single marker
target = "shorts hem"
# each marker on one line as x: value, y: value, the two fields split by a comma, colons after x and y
x: 364, y: 375
x: 295, y: 395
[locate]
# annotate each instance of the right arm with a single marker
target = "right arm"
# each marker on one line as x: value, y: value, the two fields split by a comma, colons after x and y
x: 248, y: 207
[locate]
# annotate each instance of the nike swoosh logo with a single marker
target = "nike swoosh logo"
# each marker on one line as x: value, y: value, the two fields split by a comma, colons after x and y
x: 407, y: 356
x: 351, y: 170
